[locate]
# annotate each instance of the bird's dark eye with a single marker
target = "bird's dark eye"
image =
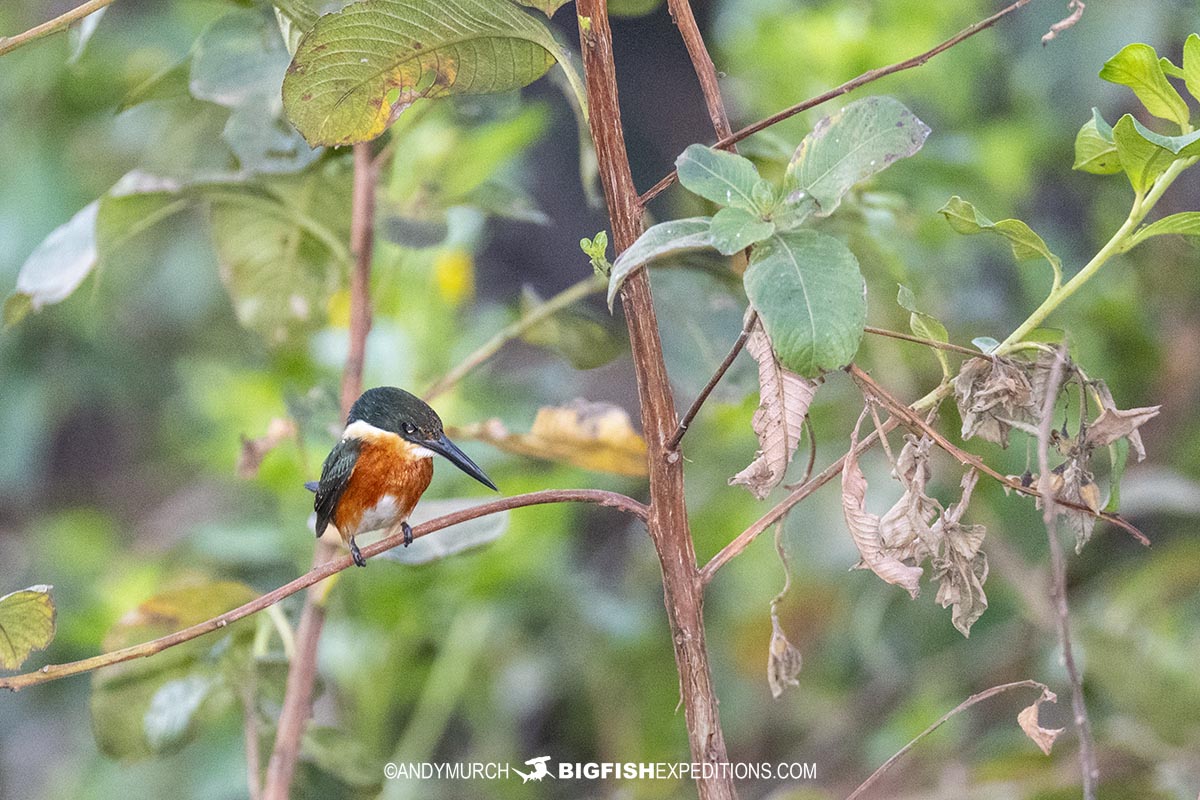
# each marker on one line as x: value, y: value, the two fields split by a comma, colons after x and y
x: 409, y: 428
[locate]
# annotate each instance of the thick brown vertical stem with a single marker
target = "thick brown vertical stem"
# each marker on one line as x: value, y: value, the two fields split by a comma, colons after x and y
x: 668, y: 523
x: 302, y: 674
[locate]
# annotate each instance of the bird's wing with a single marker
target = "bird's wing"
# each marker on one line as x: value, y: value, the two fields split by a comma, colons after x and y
x: 335, y: 476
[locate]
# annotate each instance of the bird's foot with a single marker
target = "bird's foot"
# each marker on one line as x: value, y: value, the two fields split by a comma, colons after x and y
x: 404, y: 526
x: 357, y: 554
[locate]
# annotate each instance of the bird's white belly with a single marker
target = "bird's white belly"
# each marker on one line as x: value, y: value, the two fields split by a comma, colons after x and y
x: 383, y: 514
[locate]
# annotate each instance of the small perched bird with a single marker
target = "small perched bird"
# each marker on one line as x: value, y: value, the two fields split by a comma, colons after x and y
x: 383, y: 463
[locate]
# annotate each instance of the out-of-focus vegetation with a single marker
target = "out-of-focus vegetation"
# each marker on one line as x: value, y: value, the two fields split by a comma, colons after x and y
x: 123, y: 411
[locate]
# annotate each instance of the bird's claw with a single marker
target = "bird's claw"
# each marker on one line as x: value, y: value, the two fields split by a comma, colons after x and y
x: 357, y: 554
x: 407, y: 529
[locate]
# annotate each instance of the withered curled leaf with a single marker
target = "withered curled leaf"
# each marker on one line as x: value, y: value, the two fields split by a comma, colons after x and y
x: 1028, y: 720
x: 783, y: 660
x: 961, y: 567
x: 864, y: 527
x: 784, y: 398
x: 905, y: 528
x: 990, y: 393
x: 1114, y: 423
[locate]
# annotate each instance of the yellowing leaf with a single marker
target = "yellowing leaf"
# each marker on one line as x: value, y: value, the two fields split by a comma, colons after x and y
x: 454, y: 275
x: 595, y: 436
x: 26, y: 624
x: 176, y: 609
x: 784, y: 398
x: 1028, y: 720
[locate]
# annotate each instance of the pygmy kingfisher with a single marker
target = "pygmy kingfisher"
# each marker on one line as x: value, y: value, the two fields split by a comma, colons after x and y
x: 381, y: 466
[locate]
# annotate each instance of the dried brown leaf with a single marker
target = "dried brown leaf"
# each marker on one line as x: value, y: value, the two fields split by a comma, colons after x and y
x: 961, y: 567
x: 255, y: 450
x: 990, y: 393
x: 864, y: 528
x: 779, y: 419
x: 1028, y: 720
x: 1114, y: 423
x: 783, y: 660
x: 905, y: 528
x: 595, y: 436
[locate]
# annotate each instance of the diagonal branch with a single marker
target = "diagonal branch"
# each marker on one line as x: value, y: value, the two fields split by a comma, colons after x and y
x: 61, y: 22
x: 725, y: 142
x: 53, y: 672
x: 913, y: 421
x: 694, y: 409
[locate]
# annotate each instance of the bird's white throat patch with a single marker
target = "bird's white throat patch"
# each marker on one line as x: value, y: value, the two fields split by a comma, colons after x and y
x: 365, y: 430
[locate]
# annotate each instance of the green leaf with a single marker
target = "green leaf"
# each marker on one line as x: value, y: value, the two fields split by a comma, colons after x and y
x: 238, y: 59
x: 58, y: 265
x: 173, y: 708
x: 167, y: 84
x: 1185, y: 223
x: 964, y: 218
x: 1142, y: 159
x: 580, y: 336
x: 79, y: 33
x: 16, y: 307
x: 1095, y: 149
x: 279, y: 258
x: 26, y: 624
x: 986, y: 344
x: 663, y: 239
x: 809, y: 292
x: 146, y: 706
x: 547, y: 7
x: 1137, y: 67
x: 632, y: 8
x: 1118, y: 454
x: 1191, y: 65
x: 340, y: 86
x: 300, y: 12
x: 845, y: 148
x: 925, y: 326
x: 455, y: 539
x: 264, y: 142
x: 734, y: 229
x: 726, y: 179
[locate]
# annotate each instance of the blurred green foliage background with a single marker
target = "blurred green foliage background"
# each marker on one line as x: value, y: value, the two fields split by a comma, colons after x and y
x: 123, y: 411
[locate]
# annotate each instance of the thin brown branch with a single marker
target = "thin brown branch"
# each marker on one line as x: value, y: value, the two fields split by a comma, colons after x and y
x: 702, y: 63
x: 706, y: 73
x: 53, y: 672
x: 963, y: 706
x: 914, y: 422
x: 668, y: 522
x: 738, y: 344
x: 934, y: 343
x: 725, y: 142
x: 61, y: 22
x: 1058, y: 581
x: 302, y: 671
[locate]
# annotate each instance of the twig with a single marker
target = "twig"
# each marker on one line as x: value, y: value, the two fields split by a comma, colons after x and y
x: 668, y: 522
x: 564, y: 299
x: 743, y: 539
x: 963, y: 706
x: 934, y: 343
x: 738, y: 344
x: 706, y: 73
x: 53, y: 672
x: 10, y: 43
x: 914, y: 421
x: 867, y: 77
x: 1076, y: 8
x: 302, y: 670
x: 1058, y: 583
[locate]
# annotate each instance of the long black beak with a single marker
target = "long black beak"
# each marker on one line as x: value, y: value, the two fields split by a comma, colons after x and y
x: 458, y: 458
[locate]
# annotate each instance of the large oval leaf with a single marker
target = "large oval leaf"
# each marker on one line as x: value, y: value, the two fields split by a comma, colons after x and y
x: 810, y: 295
x: 357, y: 64
x: 26, y: 624
x: 862, y: 139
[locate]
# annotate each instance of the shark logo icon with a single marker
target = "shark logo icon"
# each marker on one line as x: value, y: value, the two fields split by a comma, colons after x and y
x: 538, y: 772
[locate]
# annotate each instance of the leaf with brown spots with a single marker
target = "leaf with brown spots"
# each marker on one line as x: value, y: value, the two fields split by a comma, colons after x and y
x: 358, y: 67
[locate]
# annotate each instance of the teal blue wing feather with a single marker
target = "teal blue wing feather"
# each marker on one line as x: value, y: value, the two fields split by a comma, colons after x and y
x: 335, y: 477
